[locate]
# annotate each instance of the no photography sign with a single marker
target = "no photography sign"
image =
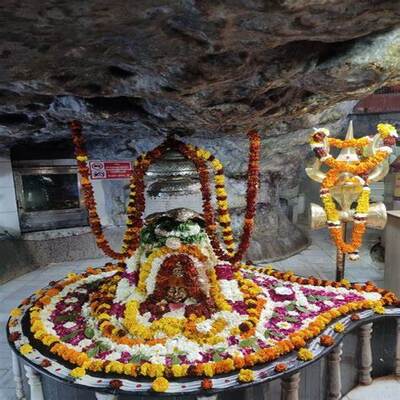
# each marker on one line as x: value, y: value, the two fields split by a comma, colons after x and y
x: 110, y: 169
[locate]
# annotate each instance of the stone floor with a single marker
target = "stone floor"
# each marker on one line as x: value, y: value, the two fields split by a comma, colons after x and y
x: 317, y: 260
x: 386, y: 387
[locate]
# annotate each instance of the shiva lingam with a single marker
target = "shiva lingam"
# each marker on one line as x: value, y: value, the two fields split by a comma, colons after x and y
x: 359, y: 163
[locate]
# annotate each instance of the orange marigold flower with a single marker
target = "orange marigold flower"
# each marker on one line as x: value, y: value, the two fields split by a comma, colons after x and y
x: 326, y: 340
x: 355, y: 317
x: 280, y: 367
x: 206, y: 384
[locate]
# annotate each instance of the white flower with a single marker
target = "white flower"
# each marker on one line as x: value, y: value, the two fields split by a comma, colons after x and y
x: 386, y: 149
x: 69, y: 324
x: 329, y: 303
x: 230, y: 290
x: 293, y: 313
x: 124, y: 289
x: 283, y: 325
x: 372, y: 296
x: 114, y: 356
x: 131, y: 264
x: 204, y: 326
x: 323, y: 130
x: 283, y: 290
x: 157, y: 359
x: 85, y: 342
x: 69, y: 300
x: 313, y: 307
x: 194, y: 229
x: 173, y: 243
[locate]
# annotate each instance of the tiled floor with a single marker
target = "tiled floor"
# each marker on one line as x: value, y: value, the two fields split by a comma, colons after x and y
x: 317, y: 260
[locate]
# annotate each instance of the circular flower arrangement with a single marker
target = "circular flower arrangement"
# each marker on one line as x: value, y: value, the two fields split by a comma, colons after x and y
x: 178, y: 311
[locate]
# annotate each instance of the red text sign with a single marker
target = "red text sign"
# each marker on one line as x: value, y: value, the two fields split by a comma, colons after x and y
x: 110, y: 169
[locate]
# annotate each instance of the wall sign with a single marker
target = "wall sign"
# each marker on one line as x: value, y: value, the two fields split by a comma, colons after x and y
x: 110, y: 169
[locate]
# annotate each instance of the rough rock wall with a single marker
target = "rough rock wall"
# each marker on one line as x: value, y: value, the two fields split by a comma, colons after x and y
x: 206, y: 70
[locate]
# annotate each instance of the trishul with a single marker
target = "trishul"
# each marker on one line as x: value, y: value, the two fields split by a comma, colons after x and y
x: 347, y: 186
x: 347, y: 191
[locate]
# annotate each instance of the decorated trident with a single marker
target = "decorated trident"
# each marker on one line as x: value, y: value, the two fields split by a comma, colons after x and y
x: 360, y: 162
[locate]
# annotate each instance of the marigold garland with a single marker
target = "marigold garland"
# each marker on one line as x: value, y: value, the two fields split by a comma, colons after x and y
x: 136, y: 202
x: 199, y: 157
x: 94, y: 219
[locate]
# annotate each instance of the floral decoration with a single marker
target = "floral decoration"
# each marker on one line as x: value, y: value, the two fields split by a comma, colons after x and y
x: 160, y: 384
x: 135, y: 206
x: 246, y: 375
x: 320, y: 143
x: 305, y: 354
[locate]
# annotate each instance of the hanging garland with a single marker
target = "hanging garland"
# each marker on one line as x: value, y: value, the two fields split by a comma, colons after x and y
x: 87, y: 188
x: 198, y: 156
x: 136, y: 204
x: 224, y: 218
x: 359, y: 169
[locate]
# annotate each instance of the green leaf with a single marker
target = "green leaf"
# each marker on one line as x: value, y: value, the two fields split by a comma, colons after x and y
x: 291, y: 319
x: 136, y: 358
x: 175, y: 359
x: 67, y: 317
x: 247, y: 342
x: 93, y: 352
x: 291, y: 307
x: 70, y: 336
x: 103, y: 346
x: 311, y: 299
x: 277, y: 334
x: 220, y: 349
x: 217, y: 357
x: 322, y: 298
x: 89, y: 332
x: 301, y: 309
x: 267, y: 333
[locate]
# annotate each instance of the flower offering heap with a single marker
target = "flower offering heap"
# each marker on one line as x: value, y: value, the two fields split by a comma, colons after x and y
x: 180, y: 306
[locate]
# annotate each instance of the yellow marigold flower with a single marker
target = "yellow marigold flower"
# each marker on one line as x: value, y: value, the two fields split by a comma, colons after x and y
x: 179, y: 370
x: 160, y: 384
x: 246, y: 375
x: 72, y: 275
x: 209, y: 369
x: 155, y: 370
x: 81, y: 158
x: 235, y: 331
x: 379, y: 309
x: 339, y: 327
x: 49, y: 339
x: 386, y: 129
x: 104, y: 316
x: 25, y: 349
x: 219, y: 179
x: 16, y: 312
x: 345, y: 282
x: 78, y: 372
x: 305, y: 354
x: 39, y: 334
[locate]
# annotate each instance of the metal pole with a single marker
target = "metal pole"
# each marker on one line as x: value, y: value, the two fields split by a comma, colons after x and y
x: 340, y: 257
